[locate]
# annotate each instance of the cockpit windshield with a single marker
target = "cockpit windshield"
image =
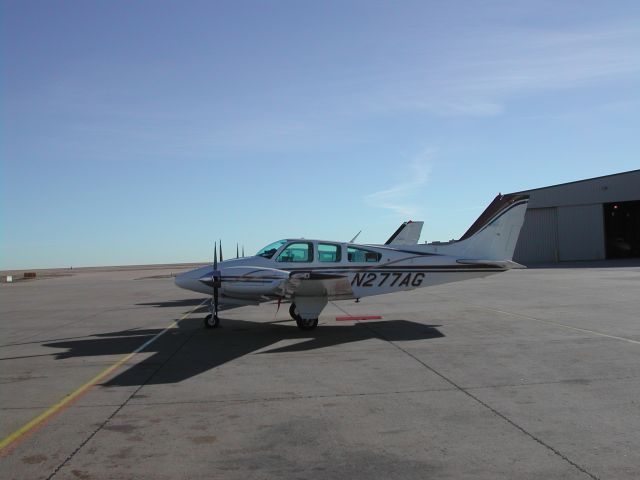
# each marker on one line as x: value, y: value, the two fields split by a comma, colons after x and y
x: 269, y: 250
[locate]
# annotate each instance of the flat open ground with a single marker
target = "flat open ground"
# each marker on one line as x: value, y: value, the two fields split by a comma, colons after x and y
x: 527, y: 374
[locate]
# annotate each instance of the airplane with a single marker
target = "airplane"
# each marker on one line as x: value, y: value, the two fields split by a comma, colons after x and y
x: 310, y: 273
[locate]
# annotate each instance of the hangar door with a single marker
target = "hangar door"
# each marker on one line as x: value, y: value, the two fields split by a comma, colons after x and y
x: 580, y: 232
x: 538, y: 242
x: 622, y: 227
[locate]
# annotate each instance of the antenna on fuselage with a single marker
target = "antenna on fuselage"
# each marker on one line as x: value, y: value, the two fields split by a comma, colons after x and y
x: 354, y: 238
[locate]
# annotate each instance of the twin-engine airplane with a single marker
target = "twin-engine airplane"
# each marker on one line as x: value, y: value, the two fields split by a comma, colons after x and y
x: 310, y: 273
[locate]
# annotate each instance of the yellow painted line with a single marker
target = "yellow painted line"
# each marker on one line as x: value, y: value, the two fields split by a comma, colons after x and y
x: 67, y: 400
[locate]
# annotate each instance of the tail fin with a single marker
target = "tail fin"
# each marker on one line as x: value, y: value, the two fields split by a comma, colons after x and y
x: 407, y: 234
x: 493, y: 236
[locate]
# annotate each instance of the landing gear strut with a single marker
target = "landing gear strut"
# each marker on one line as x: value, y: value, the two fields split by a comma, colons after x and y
x: 294, y: 312
x: 303, y: 323
x: 212, y: 320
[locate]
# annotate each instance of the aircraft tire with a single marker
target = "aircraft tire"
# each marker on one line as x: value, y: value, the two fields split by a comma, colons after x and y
x: 294, y: 313
x: 211, y: 321
x: 308, y: 324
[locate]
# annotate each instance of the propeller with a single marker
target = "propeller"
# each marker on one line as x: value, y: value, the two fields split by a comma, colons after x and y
x: 216, y: 278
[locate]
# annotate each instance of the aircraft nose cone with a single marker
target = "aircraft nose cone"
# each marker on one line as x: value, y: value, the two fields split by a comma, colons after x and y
x: 182, y: 280
x: 191, y: 280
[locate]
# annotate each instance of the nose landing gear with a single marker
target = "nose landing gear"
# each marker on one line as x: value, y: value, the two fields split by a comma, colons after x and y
x: 211, y: 321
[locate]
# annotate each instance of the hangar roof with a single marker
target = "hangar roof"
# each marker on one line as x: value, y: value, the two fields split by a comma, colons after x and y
x: 618, y: 187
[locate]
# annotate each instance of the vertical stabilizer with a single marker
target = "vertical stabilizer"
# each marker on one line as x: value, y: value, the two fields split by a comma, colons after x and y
x: 493, y: 236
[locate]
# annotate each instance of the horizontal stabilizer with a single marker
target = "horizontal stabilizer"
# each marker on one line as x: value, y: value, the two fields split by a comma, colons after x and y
x: 506, y: 264
x: 407, y: 234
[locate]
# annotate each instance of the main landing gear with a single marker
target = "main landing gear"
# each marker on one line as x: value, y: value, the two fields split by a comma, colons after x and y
x: 303, y: 324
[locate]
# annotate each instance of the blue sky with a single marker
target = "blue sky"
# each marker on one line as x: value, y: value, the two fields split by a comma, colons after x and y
x: 139, y: 132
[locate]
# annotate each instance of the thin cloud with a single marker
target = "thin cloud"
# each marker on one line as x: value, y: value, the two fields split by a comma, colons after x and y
x: 481, y: 79
x: 401, y: 198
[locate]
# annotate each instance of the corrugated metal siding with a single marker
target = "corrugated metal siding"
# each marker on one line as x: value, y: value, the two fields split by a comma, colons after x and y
x: 538, y: 241
x: 581, y: 232
x: 613, y: 188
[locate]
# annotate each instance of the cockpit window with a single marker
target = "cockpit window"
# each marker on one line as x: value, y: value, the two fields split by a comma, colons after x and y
x: 270, y: 250
x: 297, y: 252
x: 361, y: 255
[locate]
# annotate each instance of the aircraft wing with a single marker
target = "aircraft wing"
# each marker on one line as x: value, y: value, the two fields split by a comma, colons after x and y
x: 407, y: 234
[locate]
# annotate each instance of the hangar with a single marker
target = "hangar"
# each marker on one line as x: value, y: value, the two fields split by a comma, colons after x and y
x: 593, y: 219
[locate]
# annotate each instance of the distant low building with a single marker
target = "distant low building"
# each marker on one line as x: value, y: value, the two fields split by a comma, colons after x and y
x: 593, y: 219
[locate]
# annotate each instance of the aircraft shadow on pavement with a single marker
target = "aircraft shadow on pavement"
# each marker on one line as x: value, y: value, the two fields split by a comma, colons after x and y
x: 190, y: 349
x: 189, y: 302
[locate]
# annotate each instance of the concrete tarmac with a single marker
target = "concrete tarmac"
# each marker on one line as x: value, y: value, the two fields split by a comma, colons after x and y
x: 530, y: 374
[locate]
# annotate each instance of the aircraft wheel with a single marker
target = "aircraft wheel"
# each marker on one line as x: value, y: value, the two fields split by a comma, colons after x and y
x: 211, y: 321
x: 293, y: 311
x: 308, y: 324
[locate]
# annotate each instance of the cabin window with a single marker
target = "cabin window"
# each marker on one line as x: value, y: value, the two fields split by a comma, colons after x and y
x: 270, y: 250
x: 296, y: 252
x: 328, y: 252
x: 361, y: 255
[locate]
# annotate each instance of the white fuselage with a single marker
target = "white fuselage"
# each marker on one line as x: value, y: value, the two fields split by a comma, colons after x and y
x: 346, y: 275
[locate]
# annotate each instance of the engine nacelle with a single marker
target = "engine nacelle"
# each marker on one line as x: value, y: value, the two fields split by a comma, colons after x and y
x: 252, y: 281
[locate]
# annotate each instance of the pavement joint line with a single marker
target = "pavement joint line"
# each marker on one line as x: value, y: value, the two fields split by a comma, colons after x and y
x: 339, y: 308
x: 549, y: 322
x: 22, y: 340
x: 28, y: 356
x: 133, y: 394
x: 570, y: 381
x: 333, y: 395
x: 300, y: 397
x: 558, y: 324
x: 56, y: 339
x: 263, y: 399
x: 489, y: 407
x: 9, y: 441
x: 83, y: 319
x: 320, y: 354
x: 108, y: 310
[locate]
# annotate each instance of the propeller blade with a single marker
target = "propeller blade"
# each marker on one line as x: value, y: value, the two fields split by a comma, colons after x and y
x: 215, y: 277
